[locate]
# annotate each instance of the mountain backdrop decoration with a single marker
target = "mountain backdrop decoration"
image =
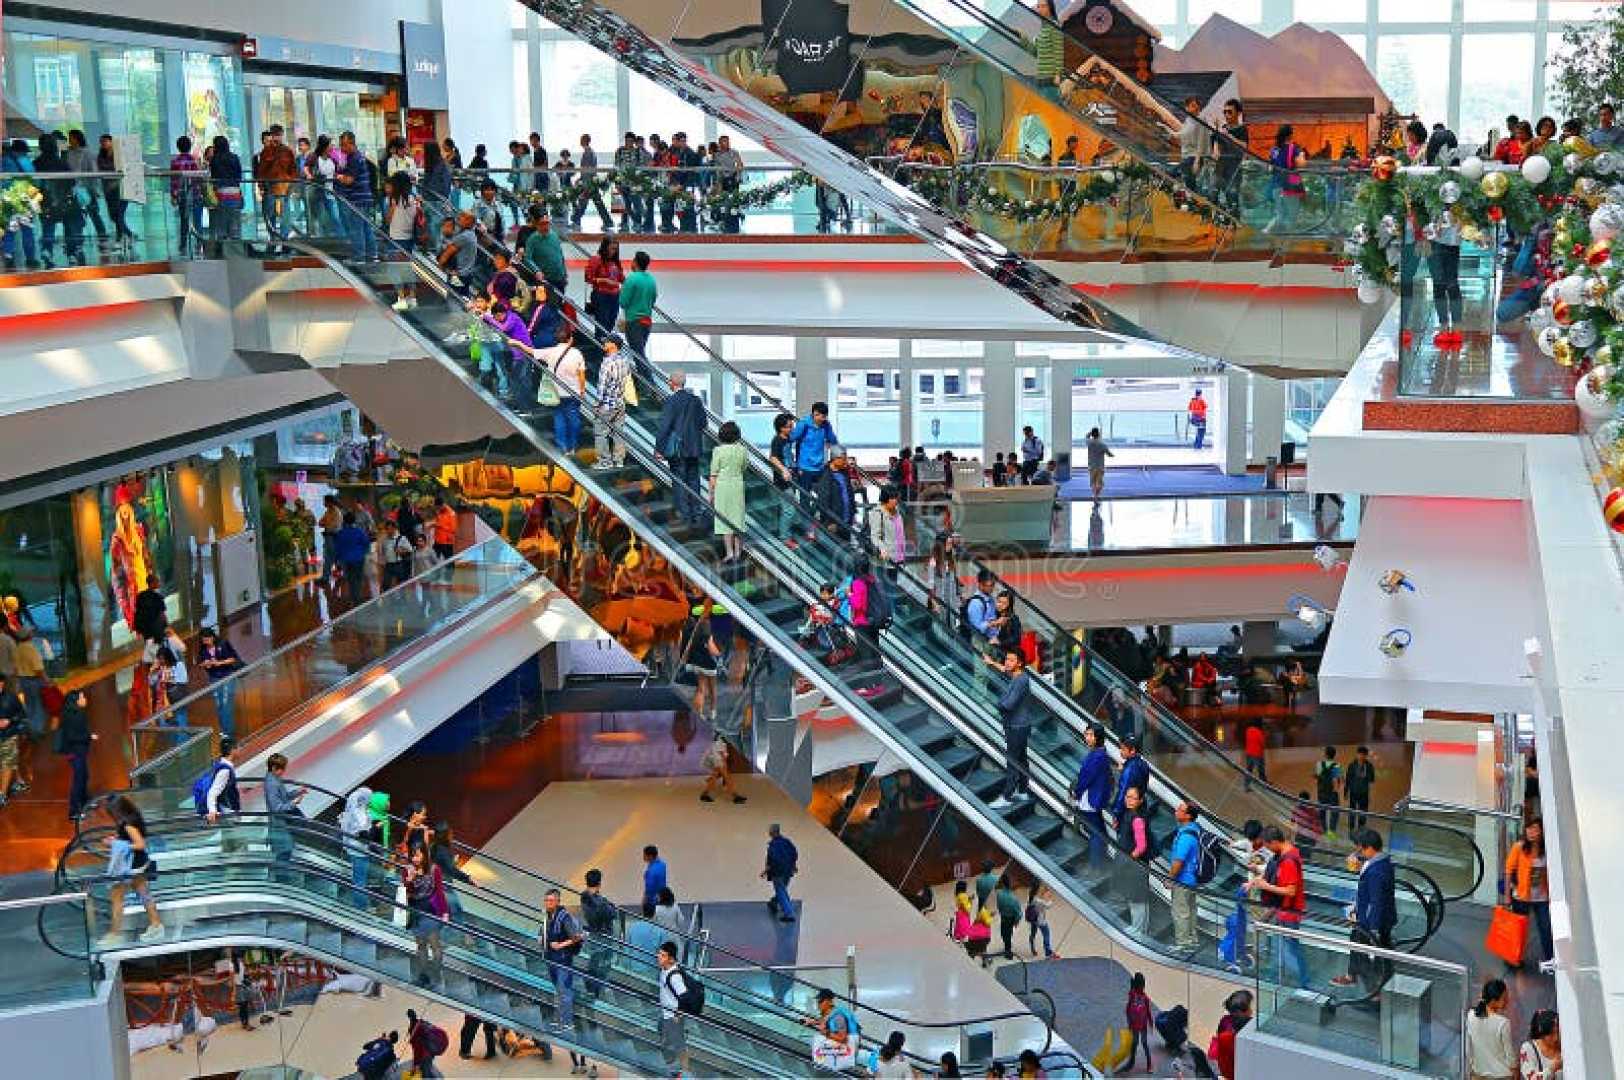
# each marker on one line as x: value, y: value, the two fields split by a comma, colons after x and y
x: 1299, y: 61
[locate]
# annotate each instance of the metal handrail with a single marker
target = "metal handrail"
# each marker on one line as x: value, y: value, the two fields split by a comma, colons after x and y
x: 43, y: 901
x: 1348, y: 945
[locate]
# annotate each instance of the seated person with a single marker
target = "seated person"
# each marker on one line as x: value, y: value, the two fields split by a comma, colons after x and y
x: 1203, y: 674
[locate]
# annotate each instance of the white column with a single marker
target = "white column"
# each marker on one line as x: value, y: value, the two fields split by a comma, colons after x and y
x: 998, y: 394
x: 1059, y: 438
x: 811, y: 372
x: 480, y: 92
x: 1234, y: 419
x: 1268, y: 417
x: 905, y: 407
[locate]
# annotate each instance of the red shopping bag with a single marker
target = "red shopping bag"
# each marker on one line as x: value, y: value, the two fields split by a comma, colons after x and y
x: 1508, y: 934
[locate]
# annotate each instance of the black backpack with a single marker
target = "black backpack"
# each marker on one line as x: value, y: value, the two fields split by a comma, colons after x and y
x: 1173, y: 1025
x: 879, y: 604
x: 692, y: 998
x: 967, y: 629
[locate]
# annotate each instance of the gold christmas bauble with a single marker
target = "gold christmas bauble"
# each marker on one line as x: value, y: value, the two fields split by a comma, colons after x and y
x: 1604, y: 356
x: 1564, y: 352
x: 1599, y: 252
x: 1580, y: 145
x: 1495, y: 185
x: 1595, y: 292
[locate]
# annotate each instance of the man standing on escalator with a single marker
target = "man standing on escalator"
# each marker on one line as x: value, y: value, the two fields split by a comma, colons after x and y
x: 1014, y: 711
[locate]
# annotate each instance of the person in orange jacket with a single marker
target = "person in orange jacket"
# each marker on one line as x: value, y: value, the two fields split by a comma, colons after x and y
x: 1528, y: 887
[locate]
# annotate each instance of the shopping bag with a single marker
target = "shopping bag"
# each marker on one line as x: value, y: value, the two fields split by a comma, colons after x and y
x: 1508, y: 934
x: 402, y: 914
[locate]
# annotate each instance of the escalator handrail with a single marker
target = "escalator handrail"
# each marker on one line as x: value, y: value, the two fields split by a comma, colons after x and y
x: 1073, y: 712
x: 367, y: 607
x: 524, y: 947
x: 387, y: 857
x: 656, y: 469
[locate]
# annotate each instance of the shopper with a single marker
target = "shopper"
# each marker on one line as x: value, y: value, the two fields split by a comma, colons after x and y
x: 654, y: 878
x: 354, y: 182
x: 81, y: 159
x: 783, y: 863
x: 1374, y: 913
x: 1255, y: 742
x: 812, y: 438
x: 1094, y: 446
x: 428, y: 1041
x: 225, y: 211
x: 425, y: 897
x: 1356, y: 784
x: 638, y: 294
x: 837, y: 1034
x: 1237, y: 1014
x: 605, y: 277
x: 1014, y: 710
x: 561, y: 940
x: 443, y: 850
x: 727, y: 498
x: 1183, y: 868
x: 1009, y: 914
x: 1135, y: 841
x: 73, y: 739
x: 1198, y: 418
x: 355, y: 823
x: 614, y: 381
x: 470, y: 1028
x: 680, y: 441
x: 350, y: 548
x: 673, y: 989
x: 1285, y: 180
x: 544, y: 252
x: 185, y: 193
x: 59, y: 205
x: 219, y: 661
x: 1328, y: 786
x: 1540, y: 1058
x: 1135, y: 772
x: 1284, y: 893
x: 128, y: 860
x: 1037, y: 921
x: 1489, y: 1053
x: 1031, y: 454
x: 1138, y: 1014
x: 1091, y: 791
x: 1528, y: 887
x: 281, y: 804
x: 717, y: 773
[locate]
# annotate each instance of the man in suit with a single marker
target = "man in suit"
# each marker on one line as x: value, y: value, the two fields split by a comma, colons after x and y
x: 680, y: 442
x: 837, y: 505
x: 1374, y: 914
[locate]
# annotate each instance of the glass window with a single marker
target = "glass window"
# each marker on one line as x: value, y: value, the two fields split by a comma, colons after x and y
x: 1414, y: 70
x: 941, y: 348
x: 656, y: 109
x: 214, y: 99
x: 1497, y: 77
x: 1032, y: 401
x: 521, y: 90
x: 1356, y: 42
x: 1499, y: 11
x: 749, y: 348
x: 1247, y: 12
x: 1411, y: 11
x: 1329, y: 11
x: 845, y: 348
x: 578, y: 94
x: 866, y: 411
x: 947, y: 410
x: 1159, y: 12
x: 678, y: 349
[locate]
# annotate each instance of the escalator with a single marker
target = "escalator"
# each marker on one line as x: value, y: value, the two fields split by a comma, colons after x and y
x: 1085, y: 687
x: 334, y: 899
x: 918, y: 688
x: 1156, y: 258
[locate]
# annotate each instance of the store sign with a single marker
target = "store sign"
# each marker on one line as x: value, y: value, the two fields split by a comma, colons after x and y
x: 422, y: 47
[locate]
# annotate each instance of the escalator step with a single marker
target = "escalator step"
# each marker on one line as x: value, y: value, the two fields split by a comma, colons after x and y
x: 910, y: 717
x: 985, y: 782
x: 932, y: 736
x: 1041, y: 829
x: 960, y: 760
x: 1067, y: 849
x: 780, y: 610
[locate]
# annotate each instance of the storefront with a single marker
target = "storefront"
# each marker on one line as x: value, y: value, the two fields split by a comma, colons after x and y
x: 307, y: 107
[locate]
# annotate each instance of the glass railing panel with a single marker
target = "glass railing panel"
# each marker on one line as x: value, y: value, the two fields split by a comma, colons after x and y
x: 1402, y: 1011
x: 264, y: 697
x: 47, y: 950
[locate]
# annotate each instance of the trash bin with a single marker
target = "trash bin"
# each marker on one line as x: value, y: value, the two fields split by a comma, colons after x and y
x: 1062, y: 468
x: 1271, y: 472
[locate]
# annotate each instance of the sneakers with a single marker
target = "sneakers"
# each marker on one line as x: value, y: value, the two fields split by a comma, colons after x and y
x: 1000, y: 803
x: 109, y: 939
x: 737, y: 799
x: 405, y: 303
x: 1343, y: 980
x: 153, y: 933
x: 706, y: 798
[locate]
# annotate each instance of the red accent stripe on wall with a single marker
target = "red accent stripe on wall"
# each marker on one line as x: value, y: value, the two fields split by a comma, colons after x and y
x: 41, y: 322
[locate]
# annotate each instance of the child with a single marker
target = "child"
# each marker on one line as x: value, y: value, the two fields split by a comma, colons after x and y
x: 1139, y: 1013
x: 818, y: 629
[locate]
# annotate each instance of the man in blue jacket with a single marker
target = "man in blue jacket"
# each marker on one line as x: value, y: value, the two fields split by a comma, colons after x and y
x: 350, y: 550
x: 1374, y: 913
x: 1092, y: 791
x: 680, y: 442
x: 782, y: 860
x: 1135, y: 774
x: 812, y: 437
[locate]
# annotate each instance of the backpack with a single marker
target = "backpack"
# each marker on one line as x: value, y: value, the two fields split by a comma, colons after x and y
x: 435, y: 1040
x: 201, y: 786
x: 376, y: 1058
x: 1032, y: 914
x: 692, y: 998
x: 1208, y: 845
x: 1326, y: 774
x: 879, y: 604
x: 1173, y: 1025
x: 1138, y: 1012
x: 853, y: 1032
x: 967, y: 626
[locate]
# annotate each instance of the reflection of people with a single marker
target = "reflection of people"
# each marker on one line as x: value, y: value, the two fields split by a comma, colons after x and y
x: 129, y: 559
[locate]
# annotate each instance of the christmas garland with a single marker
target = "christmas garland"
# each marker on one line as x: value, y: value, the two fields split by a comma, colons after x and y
x: 718, y: 202
x: 19, y: 203
x: 967, y: 188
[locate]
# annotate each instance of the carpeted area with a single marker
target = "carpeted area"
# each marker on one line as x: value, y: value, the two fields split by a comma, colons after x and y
x: 1163, y: 483
x: 1089, y: 995
x: 747, y: 928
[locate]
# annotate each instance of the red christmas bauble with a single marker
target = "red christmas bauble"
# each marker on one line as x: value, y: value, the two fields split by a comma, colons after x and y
x: 1496, y: 214
x: 1383, y: 168
x: 1612, y: 509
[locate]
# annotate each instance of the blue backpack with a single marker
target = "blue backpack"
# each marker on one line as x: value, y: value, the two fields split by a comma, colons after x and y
x: 201, y: 786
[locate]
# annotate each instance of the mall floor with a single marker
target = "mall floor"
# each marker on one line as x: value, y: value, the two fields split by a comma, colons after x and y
x: 34, y: 825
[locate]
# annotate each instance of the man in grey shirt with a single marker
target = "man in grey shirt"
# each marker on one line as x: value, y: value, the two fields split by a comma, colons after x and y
x: 281, y: 801
x: 729, y: 166
x: 1608, y: 136
x: 1097, y: 453
x: 590, y: 189
x: 1015, y: 712
x: 459, y: 247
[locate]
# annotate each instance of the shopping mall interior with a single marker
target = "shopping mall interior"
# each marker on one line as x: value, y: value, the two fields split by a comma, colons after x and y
x: 892, y: 538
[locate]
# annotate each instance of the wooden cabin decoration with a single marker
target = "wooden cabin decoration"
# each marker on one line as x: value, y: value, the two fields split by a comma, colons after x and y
x: 1114, y: 32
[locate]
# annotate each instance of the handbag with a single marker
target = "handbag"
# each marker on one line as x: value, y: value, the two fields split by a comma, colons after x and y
x: 1507, y: 936
x: 629, y: 390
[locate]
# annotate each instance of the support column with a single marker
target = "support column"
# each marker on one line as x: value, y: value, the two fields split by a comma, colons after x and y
x: 1236, y: 393
x: 811, y: 373
x: 1059, y: 437
x: 998, y: 395
x: 1259, y: 638
x: 905, y: 404
x: 1268, y: 417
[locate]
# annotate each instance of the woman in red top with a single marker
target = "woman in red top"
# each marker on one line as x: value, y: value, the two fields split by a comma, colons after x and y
x: 1237, y: 1014
x: 605, y: 274
x: 1514, y: 147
